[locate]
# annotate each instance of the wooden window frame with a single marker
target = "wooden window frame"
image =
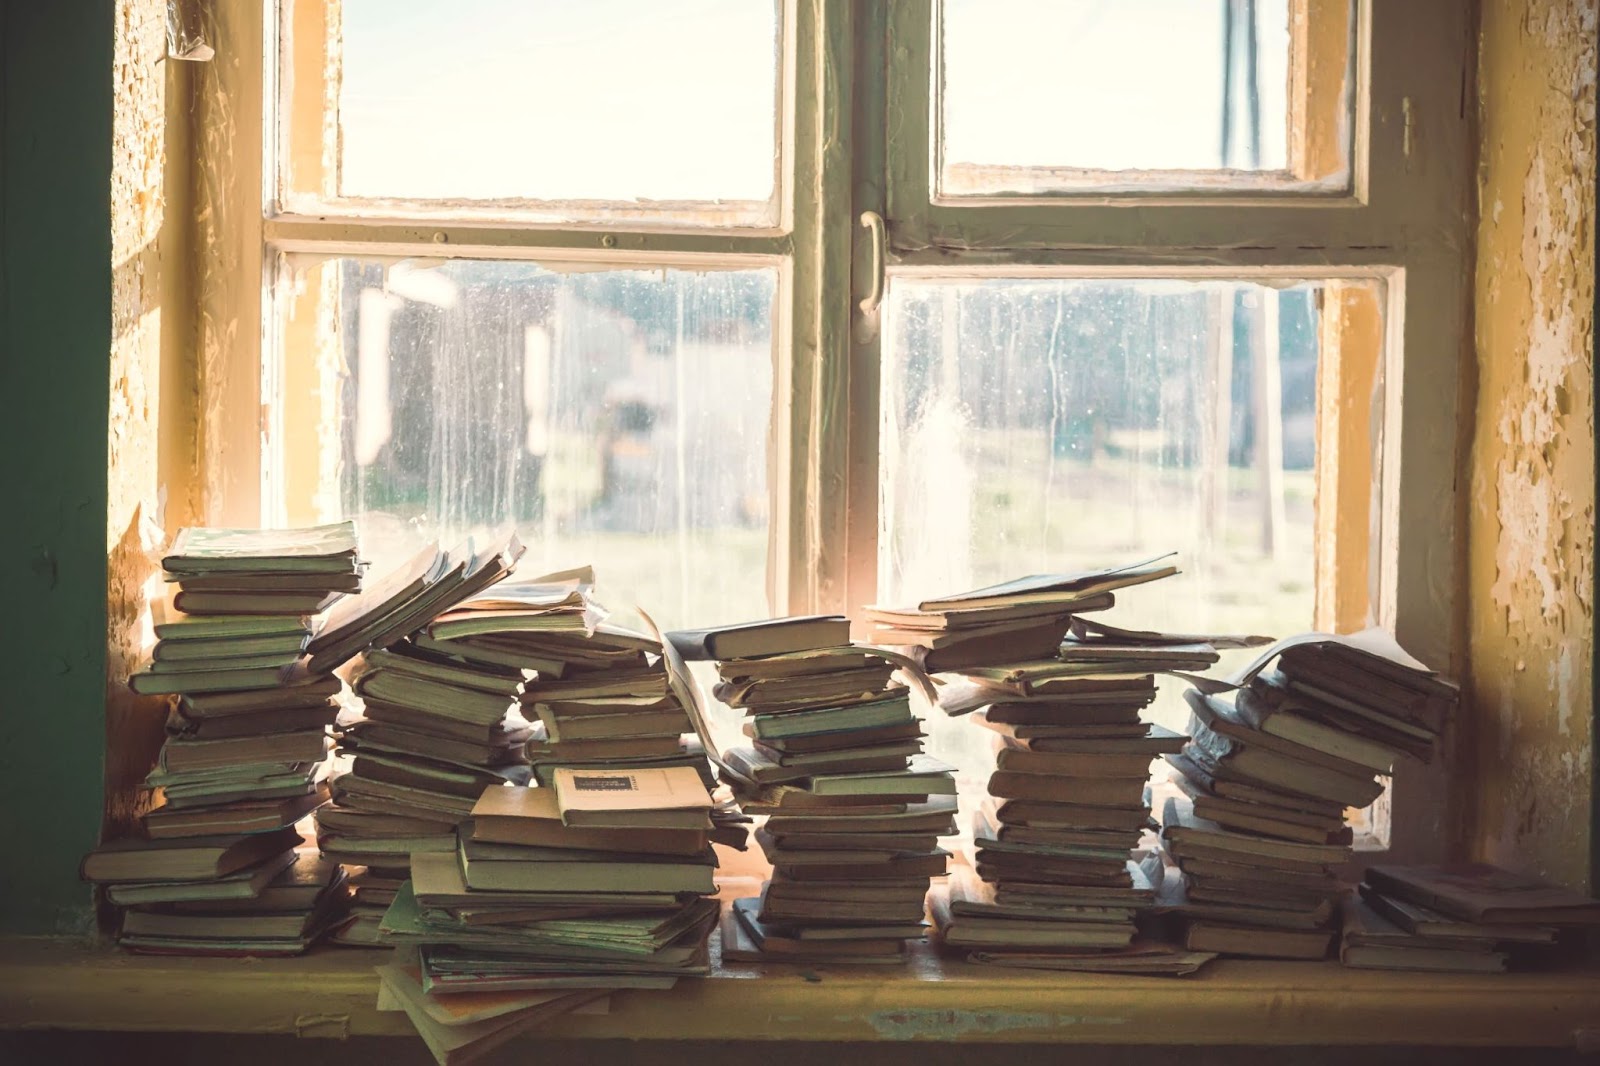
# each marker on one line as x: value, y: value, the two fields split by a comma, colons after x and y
x: 855, y: 88
x: 1396, y: 550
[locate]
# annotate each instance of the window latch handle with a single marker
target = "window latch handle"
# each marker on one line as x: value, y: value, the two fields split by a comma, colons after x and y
x: 873, y: 223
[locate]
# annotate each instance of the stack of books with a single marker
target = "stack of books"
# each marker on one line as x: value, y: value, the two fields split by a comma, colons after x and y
x: 1259, y: 834
x: 854, y: 809
x: 1463, y: 918
x: 603, y: 700
x: 602, y: 881
x: 1021, y: 621
x: 216, y: 870
x: 1053, y: 882
x: 433, y: 730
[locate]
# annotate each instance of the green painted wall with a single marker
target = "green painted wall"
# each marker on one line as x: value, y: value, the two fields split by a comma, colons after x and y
x: 55, y: 342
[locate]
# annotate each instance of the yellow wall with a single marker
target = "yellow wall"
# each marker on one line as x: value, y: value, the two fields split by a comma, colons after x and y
x: 1531, y: 523
x: 147, y: 454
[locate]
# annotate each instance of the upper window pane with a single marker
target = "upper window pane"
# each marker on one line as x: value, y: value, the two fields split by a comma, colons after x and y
x: 1036, y: 97
x: 604, y: 110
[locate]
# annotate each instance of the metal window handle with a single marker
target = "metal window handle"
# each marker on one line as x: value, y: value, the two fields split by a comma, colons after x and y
x: 873, y: 222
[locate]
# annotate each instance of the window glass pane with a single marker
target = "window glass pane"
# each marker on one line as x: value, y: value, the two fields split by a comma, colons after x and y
x: 1042, y: 96
x: 501, y: 101
x: 618, y: 417
x: 1032, y: 425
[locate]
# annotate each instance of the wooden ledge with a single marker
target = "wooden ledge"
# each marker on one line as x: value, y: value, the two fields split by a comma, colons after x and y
x: 56, y: 984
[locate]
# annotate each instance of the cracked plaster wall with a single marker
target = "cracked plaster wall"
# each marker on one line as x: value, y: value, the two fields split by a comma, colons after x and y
x: 1531, y: 522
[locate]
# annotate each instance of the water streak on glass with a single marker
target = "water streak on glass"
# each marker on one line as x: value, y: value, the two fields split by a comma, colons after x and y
x: 617, y: 417
x: 1041, y: 425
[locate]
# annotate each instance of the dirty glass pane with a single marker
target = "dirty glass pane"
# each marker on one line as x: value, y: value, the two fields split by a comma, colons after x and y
x: 1037, y: 425
x: 614, y: 417
x: 613, y: 102
x: 1041, y: 96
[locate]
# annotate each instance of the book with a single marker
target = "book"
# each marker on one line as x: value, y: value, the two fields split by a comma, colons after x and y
x: 936, y: 814
x: 841, y: 686
x: 1231, y: 752
x: 1479, y: 892
x: 777, y: 636
x: 1022, y: 759
x: 228, y: 819
x: 295, y: 925
x: 797, y: 664
x: 183, y: 753
x: 1368, y: 941
x: 1421, y: 921
x: 532, y: 817
x: 1216, y: 781
x: 301, y: 690
x: 906, y: 625
x: 435, y: 697
x: 1080, y: 791
x: 149, y: 682
x: 953, y: 649
x: 923, y: 776
x: 1273, y: 711
x: 300, y: 886
x: 646, y: 798
x: 179, y: 629
x: 437, y: 881
x: 294, y: 604
x: 352, y: 624
x: 1187, y: 833
x: 746, y: 939
x: 1257, y: 942
x: 289, y: 720
x: 762, y: 768
x: 1089, y: 630
x: 245, y: 883
x: 671, y: 721
x: 183, y: 859
x: 287, y: 647
x: 504, y: 868
x: 875, y: 714
x: 326, y: 548
x: 1146, y: 742
x: 406, y: 657
x: 464, y: 1027
x: 1046, y: 585
x: 1263, y: 819
x: 500, y: 749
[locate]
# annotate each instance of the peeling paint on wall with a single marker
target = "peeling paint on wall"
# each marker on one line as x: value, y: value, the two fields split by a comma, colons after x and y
x: 133, y: 725
x: 1531, y: 524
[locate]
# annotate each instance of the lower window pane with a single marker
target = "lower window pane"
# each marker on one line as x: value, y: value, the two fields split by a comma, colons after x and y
x: 1036, y: 424
x: 618, y: 417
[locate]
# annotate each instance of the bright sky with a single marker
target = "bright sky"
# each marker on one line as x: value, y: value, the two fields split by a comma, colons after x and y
x: 675, y: 99
x: 1106, y: 84
x: 604, y: 99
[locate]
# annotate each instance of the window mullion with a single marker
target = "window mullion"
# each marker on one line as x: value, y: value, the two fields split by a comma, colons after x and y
x: 813, y: 425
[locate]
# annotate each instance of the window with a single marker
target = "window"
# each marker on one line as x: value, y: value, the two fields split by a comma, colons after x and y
x: 1182, y: 275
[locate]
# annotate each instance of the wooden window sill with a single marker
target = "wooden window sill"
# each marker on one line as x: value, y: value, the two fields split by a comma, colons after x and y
x: 56, y: 984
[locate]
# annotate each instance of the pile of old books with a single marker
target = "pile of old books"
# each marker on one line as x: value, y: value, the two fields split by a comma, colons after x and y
x: 1054, y: 884
x: 1462, y: 918
x: 602, y: 881
x: 216, y: 870
x: 1268, y: 775
x: 434, y: 729
x: 854, y: 809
